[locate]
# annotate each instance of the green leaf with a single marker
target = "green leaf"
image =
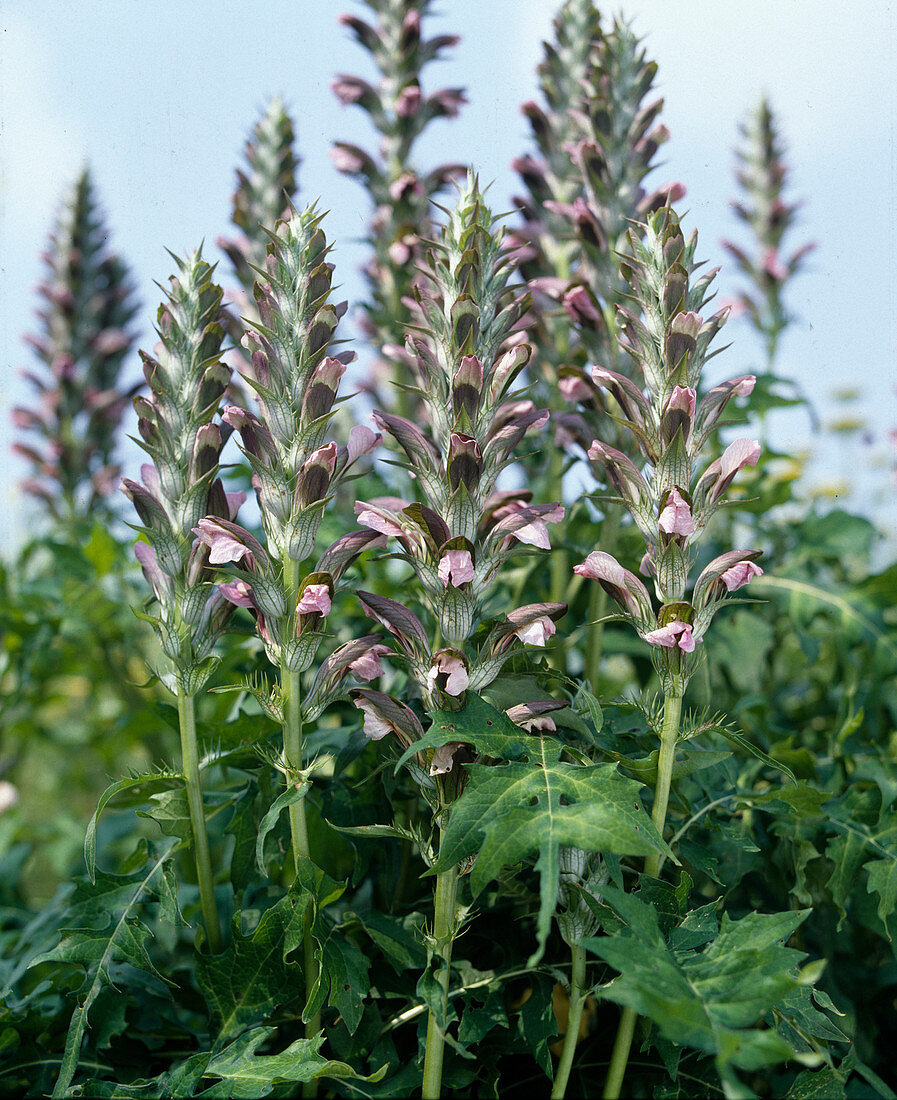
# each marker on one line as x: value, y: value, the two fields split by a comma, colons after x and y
x: 711, y: 999
x: 293, y: 794
x: 743, y: 743
x: 398, y: 938
x: 108, y: 931
x: 512, y: 811
x: 246, y: 982
x: 490, y: 731
x: 243, y: 1074
x: 882, y: 880
x: 140, y: 784
x: 817, y: 1084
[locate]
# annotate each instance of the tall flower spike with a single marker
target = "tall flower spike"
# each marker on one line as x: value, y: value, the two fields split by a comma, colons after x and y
x: 468, y: 352
x: 668, y: 340
x: 187, y: 380
x: 85, y: 336
x: 671, y: 502
x: 265, y: 188
x: 400, y: 111
x: 295, y: 472
x: 597, y: 144
x: 763, y: 173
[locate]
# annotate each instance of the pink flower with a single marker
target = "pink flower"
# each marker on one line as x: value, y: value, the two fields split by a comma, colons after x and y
x: 740, y: 575
x: 456, y: 677
x: 581, y: 307
x: 683, y: 398
x: 675, y: 519
x: 362, y: 441
x: 376, y: 726
x: 741, y: 453
x: 455, y: 568
x: 623, y: 586
x: 238, y: 592
x: 574, y: 388
x: 408, y: 101
x: 444, y: 758
x: 315, y: 597
x: 673, y: 634
x: 367, y: 667
x: 369, y: 515
x: 719, y: 475
x: 537, y: 632
x: 228, y: 542
x: 535, y: 533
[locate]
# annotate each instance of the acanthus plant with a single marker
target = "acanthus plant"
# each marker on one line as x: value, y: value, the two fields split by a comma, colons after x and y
x: 762, y: 174
x: 176, y: 423
x: 671, y: 501
x: 400, y: 109
x: 85, y: 336
x: 295, y: 474
x: 469, y: 349
x: 323, y: 953
x: 266, y: 185
x: 597, y: 143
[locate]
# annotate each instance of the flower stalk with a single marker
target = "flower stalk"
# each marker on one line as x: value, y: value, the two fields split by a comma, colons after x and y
x: 186, y: 380
x: 445, y: 907
x: 669, y: 499
x: 85, y: 337
x: 468, y: 353
x: 295, y: 474
x: 401, y: 195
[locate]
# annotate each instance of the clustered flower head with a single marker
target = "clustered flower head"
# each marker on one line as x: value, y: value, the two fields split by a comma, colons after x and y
x: 85, y: 335
x: 186, y: 380
x: 762, y: 174
x: 468, y: 351
x: 671, y: 499
x: 294, y: 469
x: 399, y: 110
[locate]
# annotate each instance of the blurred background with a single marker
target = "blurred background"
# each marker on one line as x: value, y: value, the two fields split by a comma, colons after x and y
x: 159, y: 99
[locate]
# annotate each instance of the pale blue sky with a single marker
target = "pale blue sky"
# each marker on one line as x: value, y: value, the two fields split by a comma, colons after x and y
x: 159, y: 98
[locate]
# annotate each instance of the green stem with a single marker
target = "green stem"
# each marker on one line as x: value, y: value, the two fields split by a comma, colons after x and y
x: 669, y: 734
x: 190, y: 763
x: 291, y: 691
x: 443, y: 923
x: 571, y: 1036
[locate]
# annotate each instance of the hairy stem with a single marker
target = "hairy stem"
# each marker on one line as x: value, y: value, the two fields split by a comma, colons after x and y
x: 190, y: 763
x: 291, y: 690
x: 669, y: 734
x: 443, y: 924
x: 571, y: 1036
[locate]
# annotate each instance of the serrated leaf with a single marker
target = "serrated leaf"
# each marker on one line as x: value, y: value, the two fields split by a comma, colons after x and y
x: 712, y: 999
x: 247, y: 981
x: 398, y: 938
x: 512, y: 811
x: 882, y: 880
x: 817, y: 1084
x: 108, y: 931
x: 293, y: 794
x: 243, y: 1074
x: 490, y: 731
x: 149, y: 782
